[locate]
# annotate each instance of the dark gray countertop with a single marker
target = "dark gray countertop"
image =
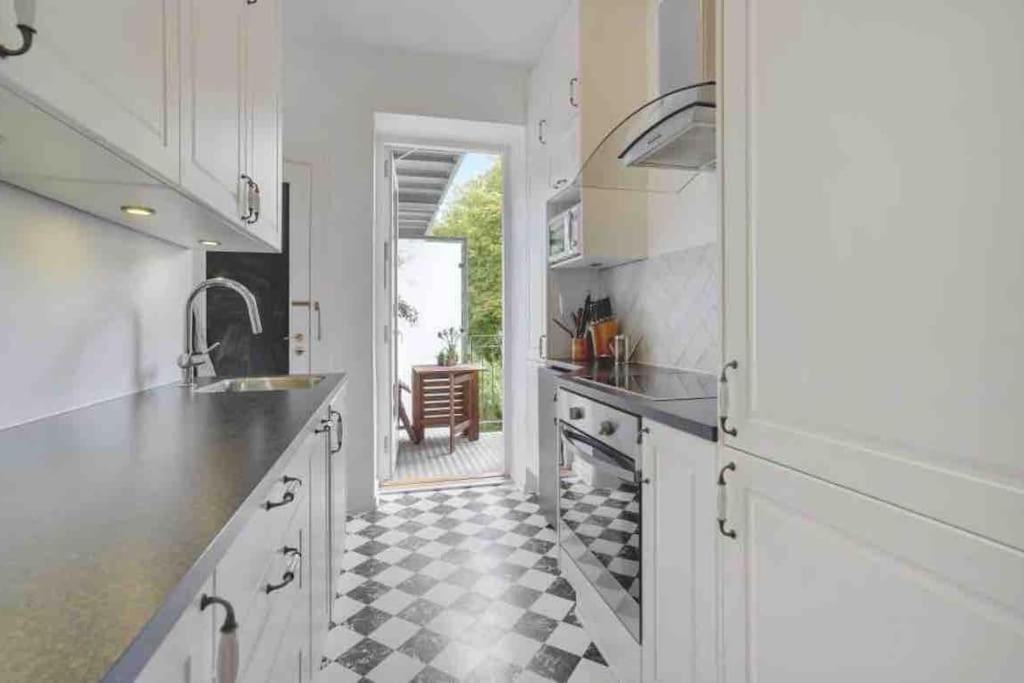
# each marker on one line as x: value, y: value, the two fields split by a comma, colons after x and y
x: 114, y: 515
x: 697, y: 416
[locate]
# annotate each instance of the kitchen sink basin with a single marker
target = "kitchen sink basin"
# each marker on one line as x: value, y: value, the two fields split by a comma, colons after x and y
x: 245, y: 384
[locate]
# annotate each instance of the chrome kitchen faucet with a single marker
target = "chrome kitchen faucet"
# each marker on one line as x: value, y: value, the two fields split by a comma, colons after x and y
x: 191, y: 359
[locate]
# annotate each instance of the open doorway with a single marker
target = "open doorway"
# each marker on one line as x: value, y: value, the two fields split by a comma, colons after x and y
x: 447, y: 316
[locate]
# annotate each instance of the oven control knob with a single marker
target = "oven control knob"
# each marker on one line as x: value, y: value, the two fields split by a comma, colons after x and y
x: 575, y: 413
x: 607, y: 428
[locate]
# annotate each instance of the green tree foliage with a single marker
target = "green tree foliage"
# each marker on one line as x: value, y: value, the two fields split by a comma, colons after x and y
x: 475, y: 214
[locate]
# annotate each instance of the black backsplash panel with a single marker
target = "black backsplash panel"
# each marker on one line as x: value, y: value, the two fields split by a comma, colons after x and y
x: 241, y: 353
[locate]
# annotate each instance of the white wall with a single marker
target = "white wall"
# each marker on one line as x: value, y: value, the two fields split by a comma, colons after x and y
x: 89, y: 310
x: 331, y: 94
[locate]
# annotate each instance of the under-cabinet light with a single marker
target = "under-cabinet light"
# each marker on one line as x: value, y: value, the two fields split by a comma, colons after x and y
x: 209, y: 243
x: 138, y: 210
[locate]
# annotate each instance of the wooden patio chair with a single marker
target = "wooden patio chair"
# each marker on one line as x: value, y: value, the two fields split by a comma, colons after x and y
x: 446, y: 397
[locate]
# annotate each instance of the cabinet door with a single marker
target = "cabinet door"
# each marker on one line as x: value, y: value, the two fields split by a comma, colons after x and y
x: 678, y: 546
x: 825, y: 584
x: 263, y: 63
x: 871, y: 295
x: 186, y: 654
x: 110, y: 68
x: 563, y: 56
x: 319, y: 548
x: 536, y: 256
x: 212, y: 155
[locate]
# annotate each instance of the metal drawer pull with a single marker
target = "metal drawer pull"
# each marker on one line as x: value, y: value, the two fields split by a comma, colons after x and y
x: 289, y: 494
x: 287, y: 578
x: 723, y: 503
x: 227, y: 647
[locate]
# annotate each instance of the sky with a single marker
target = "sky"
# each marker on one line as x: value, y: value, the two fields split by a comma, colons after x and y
x: 473, y: 166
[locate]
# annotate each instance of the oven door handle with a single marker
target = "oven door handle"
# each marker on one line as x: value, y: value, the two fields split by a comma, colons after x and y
x: 605, y: 455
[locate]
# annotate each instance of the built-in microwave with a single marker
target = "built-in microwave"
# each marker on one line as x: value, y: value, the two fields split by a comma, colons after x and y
x: 564, y: 235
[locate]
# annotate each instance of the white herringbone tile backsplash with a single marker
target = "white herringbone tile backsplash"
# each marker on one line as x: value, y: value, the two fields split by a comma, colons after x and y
x: 673, y: 301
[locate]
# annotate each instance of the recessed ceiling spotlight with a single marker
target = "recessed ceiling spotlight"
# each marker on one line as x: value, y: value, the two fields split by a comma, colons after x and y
x: 138, y: 210
x: 209, y: 243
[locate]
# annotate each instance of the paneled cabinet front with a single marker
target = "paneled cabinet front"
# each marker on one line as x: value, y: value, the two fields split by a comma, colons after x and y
x: 213, y: 105
x: 679, y: 561
x: 822, y: 583
x: 110, y: 68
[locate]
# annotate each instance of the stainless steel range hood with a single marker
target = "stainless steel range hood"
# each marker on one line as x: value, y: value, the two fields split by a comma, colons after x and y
x: 660, y: 147
x: 676, y: 131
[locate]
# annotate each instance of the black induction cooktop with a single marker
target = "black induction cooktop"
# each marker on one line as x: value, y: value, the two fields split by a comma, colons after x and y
x: 652, y: 382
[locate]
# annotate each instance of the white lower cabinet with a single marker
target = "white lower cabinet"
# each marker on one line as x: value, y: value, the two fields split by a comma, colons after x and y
x: 678, y: 538
x: 277, y: 576
x: 186, y: 655
x: 825, y: 584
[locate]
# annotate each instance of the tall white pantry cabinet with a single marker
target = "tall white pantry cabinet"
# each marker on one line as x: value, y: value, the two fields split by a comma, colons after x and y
x: 872, y: 289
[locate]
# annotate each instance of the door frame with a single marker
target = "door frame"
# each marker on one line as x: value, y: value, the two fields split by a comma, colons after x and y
x: 398, y: 130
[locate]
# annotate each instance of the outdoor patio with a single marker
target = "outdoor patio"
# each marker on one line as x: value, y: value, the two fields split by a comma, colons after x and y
x: 430, y: 459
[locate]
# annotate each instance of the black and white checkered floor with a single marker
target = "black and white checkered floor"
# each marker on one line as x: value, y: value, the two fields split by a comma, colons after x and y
x: 457, y: 585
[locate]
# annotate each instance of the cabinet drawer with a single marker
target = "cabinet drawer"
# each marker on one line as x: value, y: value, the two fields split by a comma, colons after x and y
x: 256, y: 553
x: 270, y: 613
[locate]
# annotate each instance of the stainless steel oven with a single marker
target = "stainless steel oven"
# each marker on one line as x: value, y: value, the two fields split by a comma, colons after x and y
x: 600, y: 501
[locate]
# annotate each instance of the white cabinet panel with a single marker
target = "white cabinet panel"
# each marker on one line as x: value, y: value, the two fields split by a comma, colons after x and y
x: 110, y: 68
x: 822, y: 583
x: 186, y: 654
x: 678, y: 539
x: 263, y: 65
x: 872, y: 249
x: 213, y: 161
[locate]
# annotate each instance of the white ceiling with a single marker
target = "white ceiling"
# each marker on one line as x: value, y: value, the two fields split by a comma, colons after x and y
x: 512, y: 31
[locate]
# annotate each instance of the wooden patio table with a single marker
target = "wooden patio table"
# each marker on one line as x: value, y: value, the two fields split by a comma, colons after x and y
x: 446, y: 396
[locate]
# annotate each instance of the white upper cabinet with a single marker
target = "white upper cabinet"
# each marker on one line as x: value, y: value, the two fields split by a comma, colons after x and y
x: 824, y: 584
x: 213, y: 105
x: 872, y: 249
x: 679, y: 563
x: 263, y: 59
x: 108, y: 68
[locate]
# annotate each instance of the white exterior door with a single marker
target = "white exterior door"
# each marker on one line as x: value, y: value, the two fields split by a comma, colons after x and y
x: 679, y: 561
x: 872, y: 249
x: 299, y: 178
x: 110, y: 67
x: 824, y: 584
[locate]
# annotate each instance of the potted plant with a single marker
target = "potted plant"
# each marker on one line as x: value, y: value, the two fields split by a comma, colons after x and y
x: 449, y: 354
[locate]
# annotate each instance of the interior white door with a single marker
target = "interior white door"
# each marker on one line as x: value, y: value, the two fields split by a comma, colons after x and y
x: 212, y: 127
x: 824, y: 584
x: 299, y: 179
x: 679, y: 563
x: 387, y: 391
x: 872, y: 249
x: 110, y: 67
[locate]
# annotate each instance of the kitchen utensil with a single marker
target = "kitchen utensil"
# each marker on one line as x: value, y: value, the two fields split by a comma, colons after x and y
x: 563, y: 327
x: 602, y: 333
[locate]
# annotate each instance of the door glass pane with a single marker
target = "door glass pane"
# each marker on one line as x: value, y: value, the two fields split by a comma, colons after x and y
x: 430, y: 299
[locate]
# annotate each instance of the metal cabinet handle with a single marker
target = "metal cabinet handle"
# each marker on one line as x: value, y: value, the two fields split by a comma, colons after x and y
x: 248, y: 197
x: 319, y: 321
x: 230, y: 624
x: 561, y: 182
x: 288, y: 496
x: 255, y: 203
x: 575, y: 413
x: 286, y: 579
x: 340, y: 422
x: 541, y: 129
x: 606, y: 428
x: 573, y: 100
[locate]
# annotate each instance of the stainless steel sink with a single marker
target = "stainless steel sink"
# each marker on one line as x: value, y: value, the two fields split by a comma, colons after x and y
x: 244, y: 384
